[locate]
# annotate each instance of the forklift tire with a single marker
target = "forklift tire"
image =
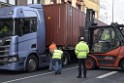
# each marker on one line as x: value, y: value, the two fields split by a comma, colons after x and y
x: 90, y: 63
x: 122, y: 65
x: 31, y: 64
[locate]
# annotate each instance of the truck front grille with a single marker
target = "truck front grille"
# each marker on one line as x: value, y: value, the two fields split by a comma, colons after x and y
x: 4, y: 48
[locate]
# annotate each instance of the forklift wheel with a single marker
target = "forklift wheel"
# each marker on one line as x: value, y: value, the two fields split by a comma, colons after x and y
x: 90, y: 63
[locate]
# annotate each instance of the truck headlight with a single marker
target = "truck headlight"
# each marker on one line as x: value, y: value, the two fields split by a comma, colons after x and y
x: 13, y: 59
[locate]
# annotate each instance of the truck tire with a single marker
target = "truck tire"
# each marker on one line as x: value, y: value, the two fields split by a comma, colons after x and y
x: 31, y: 64
x: 122, y: 65
x: 65, y: 59
x: 90, y: 63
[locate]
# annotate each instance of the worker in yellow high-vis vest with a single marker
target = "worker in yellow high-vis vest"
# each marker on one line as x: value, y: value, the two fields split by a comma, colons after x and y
x: 57, y: 61
x: 81, y: 51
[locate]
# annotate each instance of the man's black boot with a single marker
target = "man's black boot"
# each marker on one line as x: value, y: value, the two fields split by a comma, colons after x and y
x: 79, y: 76
x: 85, y: 77
x: 56, y: 73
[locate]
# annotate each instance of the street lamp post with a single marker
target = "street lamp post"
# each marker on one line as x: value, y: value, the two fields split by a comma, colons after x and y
x: 112, y: 10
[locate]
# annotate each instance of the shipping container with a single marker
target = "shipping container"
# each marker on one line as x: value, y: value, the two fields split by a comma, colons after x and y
x: 64, y: 24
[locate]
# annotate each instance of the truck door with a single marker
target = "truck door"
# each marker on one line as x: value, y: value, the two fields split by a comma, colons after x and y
x: 26, y: 31
x: 104, y: 45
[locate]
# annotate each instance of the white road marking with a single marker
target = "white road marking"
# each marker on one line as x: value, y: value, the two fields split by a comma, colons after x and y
x: 107, y: 74
x: 36, y: 75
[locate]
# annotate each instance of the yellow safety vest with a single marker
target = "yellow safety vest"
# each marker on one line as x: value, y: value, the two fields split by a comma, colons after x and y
x: 81, y: 50
x: 57, y: 54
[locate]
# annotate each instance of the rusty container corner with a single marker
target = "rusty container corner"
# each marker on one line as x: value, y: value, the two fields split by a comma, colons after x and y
x: 64, y: 24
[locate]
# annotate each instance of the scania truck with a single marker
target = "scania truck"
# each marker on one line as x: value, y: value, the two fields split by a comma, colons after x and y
x: 22, y: 38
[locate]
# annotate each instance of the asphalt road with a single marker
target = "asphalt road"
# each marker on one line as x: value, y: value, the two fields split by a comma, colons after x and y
x: 102, y: 75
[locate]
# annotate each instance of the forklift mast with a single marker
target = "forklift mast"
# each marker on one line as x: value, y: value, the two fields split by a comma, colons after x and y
x: 88, y: 34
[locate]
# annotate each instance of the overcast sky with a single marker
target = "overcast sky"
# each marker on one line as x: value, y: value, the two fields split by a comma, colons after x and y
x: 119, y: 11
x: 107, y: 13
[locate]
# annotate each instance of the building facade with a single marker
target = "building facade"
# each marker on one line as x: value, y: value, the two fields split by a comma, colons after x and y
x: 79, y: 4
x: 92, y: 4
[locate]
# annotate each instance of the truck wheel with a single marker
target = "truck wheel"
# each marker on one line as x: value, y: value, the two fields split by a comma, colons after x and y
x: 31, y: 64
x: 65, y: 59
x: 122, y: 65
x: 90, y: 63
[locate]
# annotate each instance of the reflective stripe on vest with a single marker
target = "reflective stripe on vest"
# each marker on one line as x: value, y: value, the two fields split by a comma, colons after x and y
x: 82, y: 50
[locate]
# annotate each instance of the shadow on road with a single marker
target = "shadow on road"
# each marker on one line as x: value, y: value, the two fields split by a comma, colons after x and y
x: 43, y: 69
x: 7, y: 72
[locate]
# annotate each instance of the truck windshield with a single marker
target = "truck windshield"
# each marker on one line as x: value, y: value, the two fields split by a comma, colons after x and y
x: 6, y: 27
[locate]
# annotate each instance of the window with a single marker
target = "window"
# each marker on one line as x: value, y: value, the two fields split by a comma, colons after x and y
x: 85, y: 9
x: 105, y: 41
x: 38, y: 1
x: 3, y: 1
x: 8, y: 2
x: 106, y: 35
x: 25, y: 25
x: 32, y: 1
x: 69, y: 1
x: 29, y: 1
x: 6, y: 27
x: 35, y: 1
x: 11, y: 2
x: 54, y: 1
x: 62, y: 1
x: 5, y: 5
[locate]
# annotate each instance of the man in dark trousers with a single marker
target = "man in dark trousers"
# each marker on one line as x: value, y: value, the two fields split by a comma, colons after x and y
x: 81, y: 51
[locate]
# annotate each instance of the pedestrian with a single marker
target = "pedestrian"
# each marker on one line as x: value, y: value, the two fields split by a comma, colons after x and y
x: 81, y: 51
x: 57, y: 61
x: 51, y: 49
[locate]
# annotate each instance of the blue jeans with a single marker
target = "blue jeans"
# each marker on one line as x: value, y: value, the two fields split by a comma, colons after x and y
x: 57, y: 65
x: 50, y: 64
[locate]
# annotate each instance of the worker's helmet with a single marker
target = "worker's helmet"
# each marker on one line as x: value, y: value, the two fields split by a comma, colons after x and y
x: 81, y: 38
